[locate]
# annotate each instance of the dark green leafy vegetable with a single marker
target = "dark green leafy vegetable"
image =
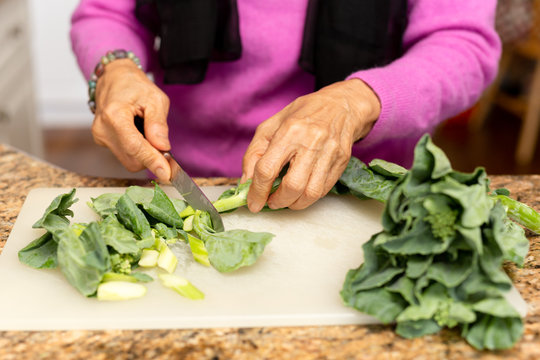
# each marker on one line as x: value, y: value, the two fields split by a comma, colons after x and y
x: 118, y: 237
x: 105, y: 204
x: 140, y: 219
x: 494, y: 332
x: 133, y: 218
x: 229, y: 250
x: 59, y: 206
x: 438, y: 261
x: 364, y: 182
x: 40, y: 253
x: 83, y: 259
x: 161, y: 208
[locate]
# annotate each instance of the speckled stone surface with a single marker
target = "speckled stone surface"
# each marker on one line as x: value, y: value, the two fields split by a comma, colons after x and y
x: 19, y: 173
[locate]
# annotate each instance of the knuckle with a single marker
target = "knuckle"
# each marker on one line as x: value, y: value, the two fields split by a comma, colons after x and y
x: 313, y: 193
x: 343, y: 156
x: 133, y: 146
x: 299, y: 206
x: 293, y: 185
x: 133, y: 167
x: 98, y: 131
x: 320, y: 133
x: 111, y: 110
x: 263, y: 129
x: 265, y: 170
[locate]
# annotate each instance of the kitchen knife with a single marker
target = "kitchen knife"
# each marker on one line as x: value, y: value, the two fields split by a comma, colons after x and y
x: 193, y: 194
x: 185, y: 185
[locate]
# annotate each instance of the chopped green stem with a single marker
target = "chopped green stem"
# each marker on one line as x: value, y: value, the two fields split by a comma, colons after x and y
x: 231, y: 203
x: 120, y: 290
x: 181, y: 286
x: 149, y: 258
x: 188, y: 223
x: 521, y: 213
x: 200, y: 254
x: 188, y: 211
x: 111, y: 276
x: 167, y: 260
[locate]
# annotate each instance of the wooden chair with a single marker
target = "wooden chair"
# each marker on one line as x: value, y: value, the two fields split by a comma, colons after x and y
x: 527, y: 105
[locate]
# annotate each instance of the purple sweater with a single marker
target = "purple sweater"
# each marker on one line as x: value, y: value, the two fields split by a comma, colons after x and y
x: 452, y: 51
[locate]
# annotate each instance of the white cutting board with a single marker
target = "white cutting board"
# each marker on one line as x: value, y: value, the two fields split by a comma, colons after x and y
x: 295, y: 282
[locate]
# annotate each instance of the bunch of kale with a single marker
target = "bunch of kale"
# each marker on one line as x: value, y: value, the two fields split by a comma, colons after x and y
x: 438, y: 260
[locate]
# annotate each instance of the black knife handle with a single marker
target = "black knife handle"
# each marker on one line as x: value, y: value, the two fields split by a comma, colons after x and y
x: 139, y: 124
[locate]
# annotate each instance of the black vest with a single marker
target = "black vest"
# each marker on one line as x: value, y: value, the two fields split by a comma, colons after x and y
x: 340, y: 36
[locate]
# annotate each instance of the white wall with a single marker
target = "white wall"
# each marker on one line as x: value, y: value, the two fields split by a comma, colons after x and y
x: 61, y: 91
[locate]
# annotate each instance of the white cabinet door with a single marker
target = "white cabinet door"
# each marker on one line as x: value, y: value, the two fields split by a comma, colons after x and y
x: 18, y: 124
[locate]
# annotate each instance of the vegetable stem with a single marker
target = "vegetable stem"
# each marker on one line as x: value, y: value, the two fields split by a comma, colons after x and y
x: 521, y: 213
x: 181, y: 286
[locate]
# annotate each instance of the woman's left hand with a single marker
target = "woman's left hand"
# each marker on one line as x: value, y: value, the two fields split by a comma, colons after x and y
x: 314, y: 134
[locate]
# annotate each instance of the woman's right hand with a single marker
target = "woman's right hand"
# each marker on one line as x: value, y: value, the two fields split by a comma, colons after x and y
x: 124, y: 91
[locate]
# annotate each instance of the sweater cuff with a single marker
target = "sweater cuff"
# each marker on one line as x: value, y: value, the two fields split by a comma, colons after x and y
x: 384, y: 85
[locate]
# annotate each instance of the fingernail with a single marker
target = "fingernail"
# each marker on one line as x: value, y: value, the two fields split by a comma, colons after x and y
x: 271, y: 205
x: 255, y: 207
x: 161, y: 174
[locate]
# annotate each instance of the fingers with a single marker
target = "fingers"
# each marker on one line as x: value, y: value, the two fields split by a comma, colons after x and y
x: 265, y: 172
x: 314, y: 134
x: 258, y: 146
x: 324, y: 175
x: 155, y: 121
x: 122, y: 92
x: 294, y: 183
x: 115, y: 129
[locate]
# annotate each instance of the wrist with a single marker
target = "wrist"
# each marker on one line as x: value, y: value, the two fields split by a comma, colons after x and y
x: 121, y: 65
x: 112, y: 58
x: 366, y: 105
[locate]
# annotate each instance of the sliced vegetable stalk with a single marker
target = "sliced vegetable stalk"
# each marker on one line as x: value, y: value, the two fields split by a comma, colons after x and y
x: 236, y: 197
x: 120, y: 290
x: 198, y: 250
x: 133, y: 277
x: 166, y: 259
x: 149, y: 258
x: 521, y: 213
x: 188, y: 223
x: 181, y: 286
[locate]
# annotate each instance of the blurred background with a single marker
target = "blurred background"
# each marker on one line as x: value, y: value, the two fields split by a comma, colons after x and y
x: 43, y: 95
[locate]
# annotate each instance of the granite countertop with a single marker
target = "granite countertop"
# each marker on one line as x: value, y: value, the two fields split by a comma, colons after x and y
x: 19, y: 173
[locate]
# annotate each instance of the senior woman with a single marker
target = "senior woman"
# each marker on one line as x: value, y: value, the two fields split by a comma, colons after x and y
x: 243, y: 88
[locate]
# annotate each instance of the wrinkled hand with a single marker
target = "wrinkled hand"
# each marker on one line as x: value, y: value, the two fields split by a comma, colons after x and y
x: 122, y: 92
x: 314, y: 134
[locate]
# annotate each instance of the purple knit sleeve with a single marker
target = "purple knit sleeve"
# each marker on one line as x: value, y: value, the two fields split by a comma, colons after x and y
x: 98, y: 26
x: 451, y: 56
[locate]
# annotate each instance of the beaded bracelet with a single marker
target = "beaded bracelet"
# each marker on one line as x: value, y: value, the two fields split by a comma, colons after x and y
x: 100, y: 67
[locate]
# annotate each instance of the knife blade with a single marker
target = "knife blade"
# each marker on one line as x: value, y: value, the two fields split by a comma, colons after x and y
x: 192, y: 193
x: 184, y: 184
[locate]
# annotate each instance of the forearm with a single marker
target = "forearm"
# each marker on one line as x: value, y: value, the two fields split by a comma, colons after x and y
x: 99, y: 26
x: 451, y: 56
